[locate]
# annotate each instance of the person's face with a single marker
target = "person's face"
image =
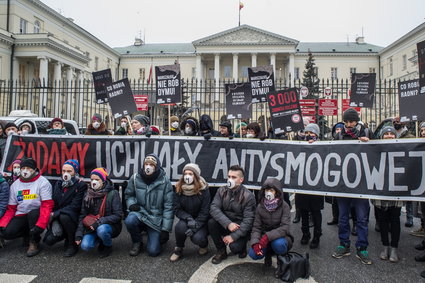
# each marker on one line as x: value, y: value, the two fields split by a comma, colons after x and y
x: 1, y: 131
x: 350, y: 124
x: 250, y: 132
x: 66, y: 168
x: 423, y: 132
x: 236, y: 176
x: 10, y: 129
x: 57, y: 125
x: 124, y: 120
x: 25, y: 128
x: 224, y: 130
x: 244, y: 131
x: 310, y: 134
x: 16, y: 166
x: 338, y: 130
x: 136, y: 125
x: 388, y: 135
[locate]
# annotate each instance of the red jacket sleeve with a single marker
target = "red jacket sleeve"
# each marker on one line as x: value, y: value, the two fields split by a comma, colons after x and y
x: 45, y: 210
x: 8, y: 215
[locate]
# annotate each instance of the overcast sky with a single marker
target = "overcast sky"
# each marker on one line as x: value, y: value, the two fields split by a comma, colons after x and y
x: 117, y: 23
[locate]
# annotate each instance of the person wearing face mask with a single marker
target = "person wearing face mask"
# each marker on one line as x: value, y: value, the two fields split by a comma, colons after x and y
x: 191, y: 206
x: 174, y: 127
x: 206, y: 127
x: 270, y: 232
x: 253, y: 131
x: 57, y: 127
x: 29, y: 207
x: 232, y: 212
x: 103, y: 203
x: 16, y: 171
x: 189, y: 126
x: 124, y: 128
x: 67, y: 196
x: 26, y: 128
x: 97, y: 126
x: 11, y: 129
x: 149, y: 197
x: 141, y: 125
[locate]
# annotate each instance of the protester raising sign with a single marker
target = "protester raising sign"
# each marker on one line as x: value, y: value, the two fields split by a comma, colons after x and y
x: 168, y: 84
x: 121, y: 98
x: 101, y: 79
x: 238, y: 101
x: 362, y: 89
x: 262, y: 82
x: 285, y: 111
x: 410, y: 101
x: 421, y: 63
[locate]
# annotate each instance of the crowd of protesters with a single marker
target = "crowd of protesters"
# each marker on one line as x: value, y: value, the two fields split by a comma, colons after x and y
x: 90, y: 215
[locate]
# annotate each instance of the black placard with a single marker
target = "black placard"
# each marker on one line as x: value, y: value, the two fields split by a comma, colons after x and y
x: 238, y: 101
x: 421, y: 64
x: 285, y: 110
x: 101, y: 79
x: 121, y: 98
x: 262, y: 82
x: 411, y: 102
x: 168, y: 84
x: 362, y: 89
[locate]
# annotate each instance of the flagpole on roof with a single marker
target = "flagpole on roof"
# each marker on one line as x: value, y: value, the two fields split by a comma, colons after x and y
x: 240, y: 8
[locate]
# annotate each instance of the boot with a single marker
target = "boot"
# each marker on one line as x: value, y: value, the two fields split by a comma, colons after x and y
x: 177, y: 254
x: 384, y: 254
x: 71, y: 250
x: 334, y: 221
x: 315, y: 242
x: 420, y: 246
x: 33, y: 249
x: 203, y: 251
x: 277, y: 273
x: 107, y: 250
x: 297, y: 216
x: 420, y: 258
x: 306, y: 237
x: 219, y: 256
x: 136, y: 249
x: 268, y: 259
x: 393, y: 255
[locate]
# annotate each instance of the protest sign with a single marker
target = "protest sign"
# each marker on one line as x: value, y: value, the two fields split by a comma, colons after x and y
x: 262, y: 82
x: 362, y: 89
x: 168, y: 84
x: 238, y: 101
x: 101, y: 79
x: 121, y: 98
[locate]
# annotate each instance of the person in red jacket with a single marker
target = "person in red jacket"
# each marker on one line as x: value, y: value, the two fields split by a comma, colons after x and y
x: 29, y: 207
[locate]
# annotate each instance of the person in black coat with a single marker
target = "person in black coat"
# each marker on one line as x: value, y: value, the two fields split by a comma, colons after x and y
x: 206, y: 127
x: 67, y: 196
x: 191, y: 206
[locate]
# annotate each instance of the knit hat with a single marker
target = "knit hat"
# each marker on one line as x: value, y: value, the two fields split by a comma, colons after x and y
x: 9, y: 125
x: 339, y: 125
x: 314, y: 128
x: 422, y: 125
x: 30, y: 163
x: 153, y: 159
x: 142, y: 119
x: 97, y: 117
x: 101, y: 173
x: 194, y: 168
x: 243, y: 124
x: 155, y: 130
x: 174, y: 119
x: 192, y: 123
x: 74, y: 163
x: 388, y: 129
x: 350, y: 115
x: 26, y: 123
x: 17, y: 161
x: 57, y: 119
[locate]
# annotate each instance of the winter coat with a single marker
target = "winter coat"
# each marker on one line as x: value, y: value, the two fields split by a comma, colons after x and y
x: 155, y: 200
x: 68, y: 200
x: 113, y: 212
x: 344, y: 136
x: 206, y: 126
x: 121, y: 132
x: 405, y: 134
x: 234, y: 205
x: 4, y: 197
x: 310, y: 202
x: 183, y: 126
x: 100, y: 131
x: 196, y: 206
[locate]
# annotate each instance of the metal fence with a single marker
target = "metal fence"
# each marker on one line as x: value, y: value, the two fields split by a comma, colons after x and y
x: 76, y: 100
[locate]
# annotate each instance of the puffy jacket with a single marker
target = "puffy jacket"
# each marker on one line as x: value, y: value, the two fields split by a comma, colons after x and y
x: 206, y: 126
x: 234, y: 205
x: 155, y: 200
x: 196, y: 206
x: 4, y: 196
x: 68, y: 200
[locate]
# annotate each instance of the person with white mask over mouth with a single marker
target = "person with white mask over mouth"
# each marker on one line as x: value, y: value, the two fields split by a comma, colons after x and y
x: 97, y: 126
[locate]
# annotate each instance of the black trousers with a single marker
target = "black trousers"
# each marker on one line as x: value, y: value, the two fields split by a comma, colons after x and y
x: 317, y: 221
x: 389, y: 222
x: 217, y: 232
x: 200, y: 238
x: 21, y: 225
x: 69, y: 228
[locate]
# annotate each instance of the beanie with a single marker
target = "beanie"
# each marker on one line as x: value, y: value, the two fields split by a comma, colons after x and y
x: 194, y: 168
x: 314, y: 128
x: 243, y: 124
x: 339, y: 126
x: 192, y: 123
x: 26, y: 123
x: 97, y: 117
x: 350, y: 115
x: 74, y: 163
x: 101, y: 173
x: 155, y: 130
x: 17, y: 161
x: 388, y: 129
x: 57, y: 119
x: 422, y: 125
x: 142, y: 119
x: 174, y: 119
x: 30, y: 163
x: 9, y: 125
x: 153, y: 159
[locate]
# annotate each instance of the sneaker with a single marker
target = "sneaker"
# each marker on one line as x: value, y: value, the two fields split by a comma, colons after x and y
x: 341, y: 251
x: 384, y: 254
x: 203, y: 251
x: 418, y: 233
x: 363, y: 255
x: 394, y: 255
x: 177, y: 254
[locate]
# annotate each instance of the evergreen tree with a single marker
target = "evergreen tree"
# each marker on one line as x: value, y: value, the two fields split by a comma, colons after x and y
x: 310, y: 79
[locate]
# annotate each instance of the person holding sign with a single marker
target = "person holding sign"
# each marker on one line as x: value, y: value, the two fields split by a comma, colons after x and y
x: 97, y: 126
x: 141, y: 125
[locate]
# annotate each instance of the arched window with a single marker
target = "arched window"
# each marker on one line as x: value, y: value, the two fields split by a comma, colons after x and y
x: 37, y: 26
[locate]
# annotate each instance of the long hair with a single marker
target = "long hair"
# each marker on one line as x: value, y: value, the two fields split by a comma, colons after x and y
x: 197, y: 185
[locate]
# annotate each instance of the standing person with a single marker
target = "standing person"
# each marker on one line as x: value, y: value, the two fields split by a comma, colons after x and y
x: 241, y: 128
x: 67, y: 195
x: 191, y: 206
x: 124, y: 128
x: 310, y: 204
x: 97, y: 126
x: 174, y: 127
x: 225, y: 129
x: 232, y: 212
x: 388, y: 215
x: 353, y: 131
x: 206, y: 127
x: 29, y: 207
x: 189, y: 126
x: 103, y: 203
x: 149, y: 197
x: 141, y: 125
x: 57, y: 127
x: 26, y: 128
x: 271, y: 229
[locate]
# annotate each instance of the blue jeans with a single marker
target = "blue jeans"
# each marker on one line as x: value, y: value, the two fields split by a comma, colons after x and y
x: 102, y: 233
x: 279, y: 247
x: 135, y: 226
x: 362, y: 212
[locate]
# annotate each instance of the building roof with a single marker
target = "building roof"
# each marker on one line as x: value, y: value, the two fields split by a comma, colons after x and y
x: 337, y: 47
x: 404, y: 37
x: 157, y: 48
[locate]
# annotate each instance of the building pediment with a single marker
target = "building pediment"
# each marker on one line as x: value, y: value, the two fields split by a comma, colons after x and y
x: 244, y: 35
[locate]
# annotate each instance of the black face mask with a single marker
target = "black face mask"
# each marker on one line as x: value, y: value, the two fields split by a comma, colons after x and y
x: 397, y: 126
x: 309, y: 137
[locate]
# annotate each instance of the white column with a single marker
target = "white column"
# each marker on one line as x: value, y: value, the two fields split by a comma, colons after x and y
x: 217, y: 76
x: 291, y: 70
x: 79, y: 113
x: 43, y: 76
x: 273, y: 62
x: 253, y: 59
x: 15, y: 82
x: 57, y: 76
x: 69, y: 78
x: 235, y: 67
x: 198, y: 78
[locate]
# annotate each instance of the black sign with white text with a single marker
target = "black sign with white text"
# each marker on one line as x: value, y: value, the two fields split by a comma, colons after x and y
x: 121, y: 98
x: 411, y: 102
x: 262, y: 82
x: 101, y: 79
x: 168, y: 84
x: 238, y: 101
x: 362, y: 89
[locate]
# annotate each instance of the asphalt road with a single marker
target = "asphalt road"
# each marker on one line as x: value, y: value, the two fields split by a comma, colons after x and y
x: 50, y: 266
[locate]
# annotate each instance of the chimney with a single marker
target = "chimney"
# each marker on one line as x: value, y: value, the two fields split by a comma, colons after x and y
x: 360, y: 40
x: 138, y: 41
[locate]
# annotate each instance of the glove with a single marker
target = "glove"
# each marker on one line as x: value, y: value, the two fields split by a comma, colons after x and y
x: 36, y: 230
x: 191, y: 223
x: 263, y: 138
x: 134, y: 207
x: 189, y: 232
x: 207, y: 136
x: 78, y: 238
x: 264, y: 241
x: 148, y: 135
x: 231, y: 137
x: 257, y: 249
x: 95, y: 225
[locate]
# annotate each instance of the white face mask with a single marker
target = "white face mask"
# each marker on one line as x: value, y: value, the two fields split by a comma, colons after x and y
x: 26, y: 173
x: 95, y: 185
x: 249, y: 135
x: 24, y: 132
x: 123, y: 125
x: 141, y: 130
x: 269, y: 195
x: 188, y: 179
x: 175, y: 125
x: 188, y: 130
x: 96, y: 125
x: 17, y: 171
x: 66, y: 176
x: 231, y: 183
x: 11, y: 133
x: 149, y: 169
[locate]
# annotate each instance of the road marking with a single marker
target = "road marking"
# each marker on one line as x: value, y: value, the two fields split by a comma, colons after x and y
x: 16, y: 278
x: 98, y: 280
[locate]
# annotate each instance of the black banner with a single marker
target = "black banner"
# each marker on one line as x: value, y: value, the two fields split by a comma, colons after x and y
x: 238, y: 101
x: 411, y: 102
x: 101, y: 79
x: 168, y: 86
x: 262, y: 82
x: 285, y: 110
x: 362, y: 89
x: 385, y: 169
x: 121, y: 98
x: 421, y: 64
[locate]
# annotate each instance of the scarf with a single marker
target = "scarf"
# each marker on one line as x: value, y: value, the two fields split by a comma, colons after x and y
x: 67, y: 184
x: 188, y: 190
x: 58, y: 132
x: 30, y: 177
x: 271, y: 205
x: 92, y: 194
x: 353, y: 132
x: 149, y: 179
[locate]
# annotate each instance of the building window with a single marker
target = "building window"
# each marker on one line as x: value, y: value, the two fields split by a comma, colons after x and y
x: 23, y: 26
x: 404, y: 62
x: 372, y: 70
x: 227, y: 72
x: 37, y: 26
x: 96, y: 63
x: 124, y: 73
x: 141, y: 73
x: 297, y: 73
x: 334, y: 73
x: 211, y: 73
x: 193, y: 73
x: 391, y: 65
x: 244, y: 71
x: 353, y: 70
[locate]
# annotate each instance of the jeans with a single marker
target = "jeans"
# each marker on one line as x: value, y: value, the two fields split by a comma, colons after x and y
x: 217, y: 232
x: 389, y: 222
x: 103, y: 233
x: 362, y: 214
x: 135, y: 227
x: 200, y: 238
x: 279, y: 247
